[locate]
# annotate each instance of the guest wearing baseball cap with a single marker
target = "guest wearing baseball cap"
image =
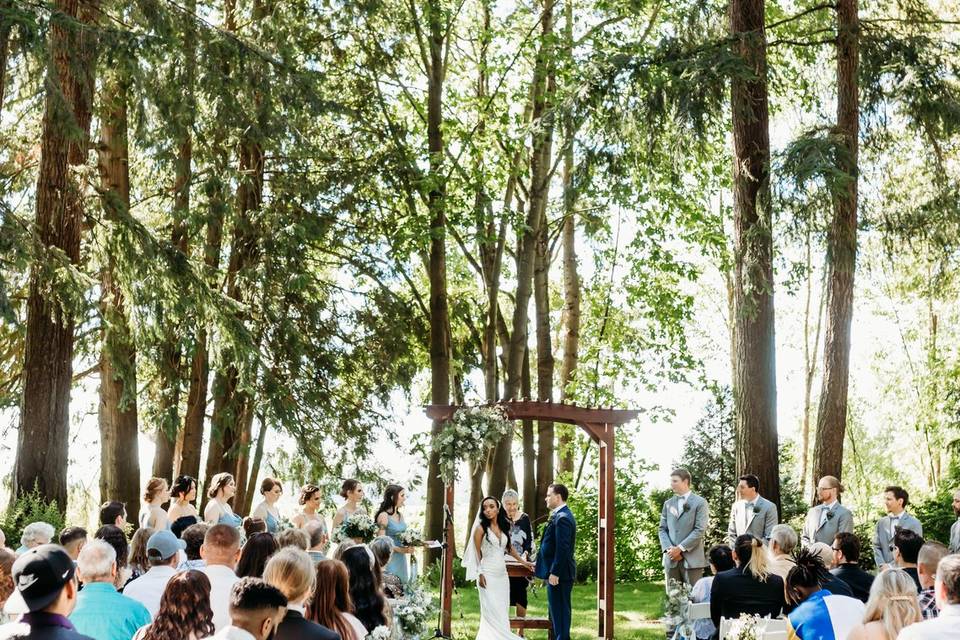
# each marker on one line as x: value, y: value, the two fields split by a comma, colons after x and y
x: 163, y: 556
x: 45, y: 579
x: 102, y: 612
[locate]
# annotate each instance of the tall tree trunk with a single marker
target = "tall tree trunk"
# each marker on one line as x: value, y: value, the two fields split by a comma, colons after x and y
x: 545, y: 362
x: 439, y: 315
x: 6, y: 26
x: 530, y: 466
x: 841, y: 254
x: 119, y: 458
x: 48, y: 347
x: 540, y: 155
x: 571, y: 277
x: 255, y: 464
x: 754, y: 379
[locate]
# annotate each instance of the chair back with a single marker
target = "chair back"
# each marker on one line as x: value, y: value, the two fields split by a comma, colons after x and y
x: 699, y: 610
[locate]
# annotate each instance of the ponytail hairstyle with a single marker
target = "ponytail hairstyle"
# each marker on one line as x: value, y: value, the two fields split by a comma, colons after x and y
x: 751, y: 556
x: 348, y: 485
x: 808, y: 574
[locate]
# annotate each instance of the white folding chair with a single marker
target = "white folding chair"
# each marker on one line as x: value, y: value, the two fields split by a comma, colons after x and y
x: 776, y: 625
x: 724, y: 627
x: 699, y: 610
x: 774, y: 635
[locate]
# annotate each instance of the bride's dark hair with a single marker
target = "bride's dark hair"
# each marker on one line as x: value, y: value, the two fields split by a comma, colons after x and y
x: 502, y: 520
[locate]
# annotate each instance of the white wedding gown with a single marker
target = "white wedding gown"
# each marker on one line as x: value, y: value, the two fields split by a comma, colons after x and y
x: 495, y: 598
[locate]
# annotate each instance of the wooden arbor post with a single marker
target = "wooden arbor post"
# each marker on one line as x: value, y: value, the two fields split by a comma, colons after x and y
x: 600, y: 425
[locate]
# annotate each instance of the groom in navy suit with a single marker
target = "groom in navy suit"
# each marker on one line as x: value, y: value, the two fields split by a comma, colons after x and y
x: 555, y: 562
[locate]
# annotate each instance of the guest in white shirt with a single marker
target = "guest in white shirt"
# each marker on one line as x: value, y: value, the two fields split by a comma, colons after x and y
x: 162, y: 554
x: 221, y: 551
x: 947, y: 625
x: 721, y: 559
x: 256, y: 608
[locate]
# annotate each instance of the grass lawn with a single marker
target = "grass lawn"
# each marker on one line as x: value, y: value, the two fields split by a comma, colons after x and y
x: 638, y: 607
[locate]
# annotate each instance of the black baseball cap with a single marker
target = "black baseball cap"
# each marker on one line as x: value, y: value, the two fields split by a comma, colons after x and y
x: 40, y: 573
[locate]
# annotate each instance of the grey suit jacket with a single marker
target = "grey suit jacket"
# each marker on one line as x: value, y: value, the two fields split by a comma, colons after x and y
x: 758, y: 522
x: 883, y: 540
x: 840, y: 520
x: 955, y: 537
x: 684, y: 528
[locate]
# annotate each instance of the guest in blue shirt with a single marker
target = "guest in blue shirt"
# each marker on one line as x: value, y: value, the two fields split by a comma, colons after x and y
x: 102, y: 612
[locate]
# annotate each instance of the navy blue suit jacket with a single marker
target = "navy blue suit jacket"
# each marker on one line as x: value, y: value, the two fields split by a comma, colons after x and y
x: 556, y: 548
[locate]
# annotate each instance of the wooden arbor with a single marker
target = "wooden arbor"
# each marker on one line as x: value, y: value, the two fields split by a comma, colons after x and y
x: 600, y: 425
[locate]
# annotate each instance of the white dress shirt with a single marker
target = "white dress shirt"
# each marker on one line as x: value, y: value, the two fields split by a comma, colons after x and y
x: 231, y: 632
x: 148, y: 588
x: 944, y: 627
x: 222, y: 579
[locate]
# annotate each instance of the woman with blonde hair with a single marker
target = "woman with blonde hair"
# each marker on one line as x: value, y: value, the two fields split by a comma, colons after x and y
x: 892, y: 606
x: 750, y: 587
x: 291, y: 571
x: 155, y: 494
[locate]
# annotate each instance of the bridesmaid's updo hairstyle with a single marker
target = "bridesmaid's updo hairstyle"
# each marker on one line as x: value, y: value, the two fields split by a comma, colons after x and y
x: 390, y: 497
x: 182, y: 486
x: 154, y: 486
x: 218, y: 482
x: 348, y: 486
x: 306, y: 492
x: 268, y: 484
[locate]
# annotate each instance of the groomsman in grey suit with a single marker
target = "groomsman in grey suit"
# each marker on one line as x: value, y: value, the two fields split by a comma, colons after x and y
x: 955, y: 529
x: 895, y: 500
x: 752, y: 513
x: 683, y: 523
x: 828, y: 518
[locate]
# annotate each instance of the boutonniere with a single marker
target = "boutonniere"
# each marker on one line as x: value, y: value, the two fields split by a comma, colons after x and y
x: 830, y: 515
x: 686, y: 507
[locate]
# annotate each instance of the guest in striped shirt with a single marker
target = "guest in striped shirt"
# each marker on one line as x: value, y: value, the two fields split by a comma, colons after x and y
x: 930, y: 555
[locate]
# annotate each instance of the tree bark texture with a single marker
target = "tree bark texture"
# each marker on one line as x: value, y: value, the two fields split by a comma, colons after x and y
x: 530, y: 461
x: 545, y: 361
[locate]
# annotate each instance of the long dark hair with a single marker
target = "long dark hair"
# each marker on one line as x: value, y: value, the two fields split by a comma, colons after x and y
x: 184, y: 609
x: 502, y: 520
x: 390, y: 496
x: 368, y: 601
x: 253, y: 558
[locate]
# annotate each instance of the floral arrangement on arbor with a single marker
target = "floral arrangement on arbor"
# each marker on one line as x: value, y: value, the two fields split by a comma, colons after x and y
x: 677, y: 610
x: 410, y: 537
x: 358, y: 526
x: 414, y: 612
x: 469, y: 435
x: 746, y: 627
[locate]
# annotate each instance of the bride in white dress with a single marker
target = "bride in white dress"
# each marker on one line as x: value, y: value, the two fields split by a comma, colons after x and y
x: 485, y: 562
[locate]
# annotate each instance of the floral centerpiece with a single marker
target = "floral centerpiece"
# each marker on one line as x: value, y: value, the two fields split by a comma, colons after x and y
x: 677, y: 609
x: 410, y: 537
x: 358, y: 526
x: 379, y: 633
x: 746, y: 627
x: 469, y: 435
x: 414, y: 612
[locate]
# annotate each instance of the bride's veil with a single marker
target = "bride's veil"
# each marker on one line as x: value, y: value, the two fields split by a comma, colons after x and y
x: 470, y: 560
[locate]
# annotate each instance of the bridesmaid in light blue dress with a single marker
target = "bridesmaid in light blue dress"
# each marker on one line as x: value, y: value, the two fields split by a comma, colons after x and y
x: 271, y: 489
x: 391, y: 523
x: 222, y: 488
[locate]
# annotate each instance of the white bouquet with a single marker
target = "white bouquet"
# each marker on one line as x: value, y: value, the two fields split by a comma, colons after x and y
x: 358, y: 526
x: 746, y: 627
x: 380, y: 633
x: 410, y: 537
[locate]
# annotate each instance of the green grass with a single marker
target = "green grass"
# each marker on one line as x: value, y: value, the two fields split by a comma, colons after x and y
x: 638, y: 608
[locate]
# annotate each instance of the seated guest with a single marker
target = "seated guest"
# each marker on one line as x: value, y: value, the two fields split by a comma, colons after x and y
x: 102, y: 612
x: 253, y: 526
x: 930, y: 556
x: 254, y: 556
x: 163, y: 556
x: 178, y: 526
x: 370, y: 606
x: 846, y: 558
x: 818, y: 614
x: 256, y: 608
x: 184, y: 612
x: 138, y: 562
x: 891, y: 607
x: 193, y: 537
x: 382, y: 547
x: 832, y: 583
x: 72, y: 539
x: 294, y: 538
x: 906, y: 551
x: 49, y: 592
x: 748, y: 587
x: 113, y: 513
x: 342, y: 548
x: 720, y: 557
x: 946, y: 626
x: 116, y: 538
x: 291, y: 571
x: 331, y: 605
x: 7, y: 558
x: 783, y: 540
x: 318, y: 541
x: 221, y: 550
x: 36, y: 534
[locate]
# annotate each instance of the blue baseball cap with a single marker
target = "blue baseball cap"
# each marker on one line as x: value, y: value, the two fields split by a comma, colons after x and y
x: 164, y: 545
